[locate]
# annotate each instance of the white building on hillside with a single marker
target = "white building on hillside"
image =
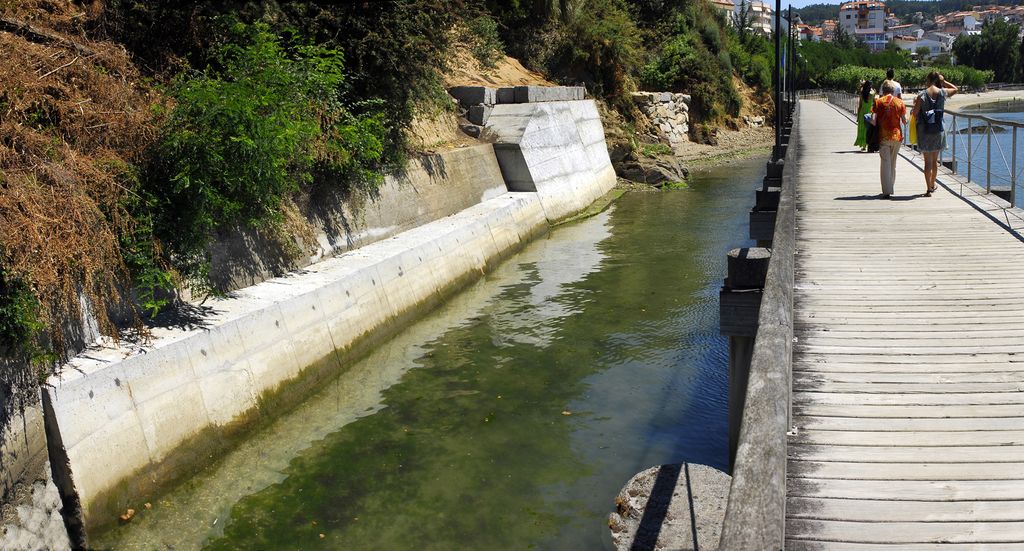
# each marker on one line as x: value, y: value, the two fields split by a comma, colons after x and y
x: 864, y: 20
x: 912, y: 44
x: 725, y: 7
x: 762, y: 17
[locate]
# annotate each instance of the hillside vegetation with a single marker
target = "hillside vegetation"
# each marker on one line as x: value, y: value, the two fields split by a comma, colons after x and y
x: 134, y: 133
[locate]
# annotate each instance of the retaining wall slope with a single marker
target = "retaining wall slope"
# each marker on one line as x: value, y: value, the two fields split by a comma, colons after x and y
x: 556, y: 149
x: 125, y: 418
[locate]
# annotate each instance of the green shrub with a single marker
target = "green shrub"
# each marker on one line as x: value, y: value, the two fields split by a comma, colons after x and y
x: 484, y: 42
x: 848, y: 77
x: 600, y: 47
x: 19, y: 320
x: 249, y: 131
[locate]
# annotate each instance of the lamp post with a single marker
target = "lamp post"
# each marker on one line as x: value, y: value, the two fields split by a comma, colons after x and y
x: 778, y: 80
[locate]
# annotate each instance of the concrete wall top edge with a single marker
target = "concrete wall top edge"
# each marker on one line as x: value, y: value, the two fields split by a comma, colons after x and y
x: 218, y: 312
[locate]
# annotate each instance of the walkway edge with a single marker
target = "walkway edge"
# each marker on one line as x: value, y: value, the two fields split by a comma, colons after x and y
x: 756, y: 513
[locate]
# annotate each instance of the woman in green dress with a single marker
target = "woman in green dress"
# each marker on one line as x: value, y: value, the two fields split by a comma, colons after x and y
x: 867, y: 101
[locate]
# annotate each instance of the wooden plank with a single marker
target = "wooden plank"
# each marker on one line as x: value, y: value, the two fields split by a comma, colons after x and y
x: 996, y: 357
x: 905, y: 471
x: 907, y: 454
x: 908, y: 490
x: 938, y: 439
x: 868, y: 510
x: 949, y: 400
x: 903, y: 387
x: 905, y: 532
x: 917, y: 424
x: 840, y: 326
x: 809, y: 545
x: 906, y: 411
x: 801, y: 376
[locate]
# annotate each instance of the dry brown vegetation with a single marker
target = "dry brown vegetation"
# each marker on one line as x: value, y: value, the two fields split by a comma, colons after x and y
x: 75, y: 116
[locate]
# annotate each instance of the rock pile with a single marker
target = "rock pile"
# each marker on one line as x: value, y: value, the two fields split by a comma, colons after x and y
x: 669, y: 112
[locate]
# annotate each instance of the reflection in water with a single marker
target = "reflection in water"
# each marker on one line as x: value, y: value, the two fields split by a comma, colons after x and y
x: 510, y: 417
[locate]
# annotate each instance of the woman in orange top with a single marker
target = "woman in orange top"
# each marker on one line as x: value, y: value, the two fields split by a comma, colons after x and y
x: 890, y: 115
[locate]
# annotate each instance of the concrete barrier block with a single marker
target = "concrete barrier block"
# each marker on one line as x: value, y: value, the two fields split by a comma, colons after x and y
x: 268, y: 347
x: 115, y: 450
x: 158, y: 371
x: 307, y: 327
x: 171, y: 417
x: 215, y: 350
x: 84, y: 405
x: 473, y: 95
x: 536, y: 94
x: 478, y: 114
x: 227, y: 393
x: 506, y: 94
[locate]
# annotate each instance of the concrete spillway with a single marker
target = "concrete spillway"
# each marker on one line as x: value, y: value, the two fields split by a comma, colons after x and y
x: 124, y: 417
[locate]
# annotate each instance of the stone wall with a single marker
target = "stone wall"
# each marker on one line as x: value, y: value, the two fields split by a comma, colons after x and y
x: 668, y: 112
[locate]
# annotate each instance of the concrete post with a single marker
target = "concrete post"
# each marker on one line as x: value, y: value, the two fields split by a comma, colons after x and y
x: 739, y: 303
x: 762, y: 216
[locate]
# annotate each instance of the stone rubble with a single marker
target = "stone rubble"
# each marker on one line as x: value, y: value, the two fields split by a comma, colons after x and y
x: 39, y: 523
x: 668, y: 112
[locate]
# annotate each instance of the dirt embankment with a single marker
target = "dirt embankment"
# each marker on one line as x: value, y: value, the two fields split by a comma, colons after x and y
x: 438, y: 129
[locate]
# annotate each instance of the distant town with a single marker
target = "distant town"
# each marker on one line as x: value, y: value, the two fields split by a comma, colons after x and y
x: 870, y: 22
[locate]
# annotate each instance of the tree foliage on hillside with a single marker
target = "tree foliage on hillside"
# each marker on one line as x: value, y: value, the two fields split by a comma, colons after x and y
x: 199, y: 118
x: 248, y: 132
x: 997, y: 48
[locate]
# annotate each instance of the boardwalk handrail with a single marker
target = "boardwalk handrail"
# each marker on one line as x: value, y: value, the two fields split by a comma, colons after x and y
x: 962, y: 154
x: 756, y: 514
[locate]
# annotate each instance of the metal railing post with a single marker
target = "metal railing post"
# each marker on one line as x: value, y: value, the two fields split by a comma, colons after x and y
x: 988, y: 158
x: 1013, y: 170
x: 970, y: 149
x: 954, y: 144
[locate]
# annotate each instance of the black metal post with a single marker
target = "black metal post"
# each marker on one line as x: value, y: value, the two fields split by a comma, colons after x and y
x: 778, y: 80
x: 789, y: 64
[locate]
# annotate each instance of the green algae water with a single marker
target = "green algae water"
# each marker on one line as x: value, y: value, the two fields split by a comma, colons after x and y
x: 510, y: 417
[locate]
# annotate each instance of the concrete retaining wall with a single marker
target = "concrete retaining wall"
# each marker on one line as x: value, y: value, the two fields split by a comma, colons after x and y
x: 432, y: 187
x: 556, y: 149
x: 126, y: 418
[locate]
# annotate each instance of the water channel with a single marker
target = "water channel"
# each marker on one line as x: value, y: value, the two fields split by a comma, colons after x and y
x: 510, y: 417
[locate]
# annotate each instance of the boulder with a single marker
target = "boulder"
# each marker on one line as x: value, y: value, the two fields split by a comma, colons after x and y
x: 471, y: 130
x: 642, y: 98
x: 656, y: 172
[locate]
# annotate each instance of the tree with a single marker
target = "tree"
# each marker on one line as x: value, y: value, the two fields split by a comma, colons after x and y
x: 742, y: 20
x: 998, y: 48
x: 843, y: 38
x: 922, y: 52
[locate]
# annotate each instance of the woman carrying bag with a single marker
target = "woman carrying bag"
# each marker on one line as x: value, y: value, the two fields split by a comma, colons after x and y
x: 931, y: 138
x: 890, y: 113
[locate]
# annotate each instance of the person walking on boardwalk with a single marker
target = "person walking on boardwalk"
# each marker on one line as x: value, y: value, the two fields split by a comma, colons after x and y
x: 867, y: 100
x: 928, y: 110
x: 890, y: 115
x: 897, y: 88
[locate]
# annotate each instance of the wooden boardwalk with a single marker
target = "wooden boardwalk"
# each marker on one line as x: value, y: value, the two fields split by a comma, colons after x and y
x: 909, y: 361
